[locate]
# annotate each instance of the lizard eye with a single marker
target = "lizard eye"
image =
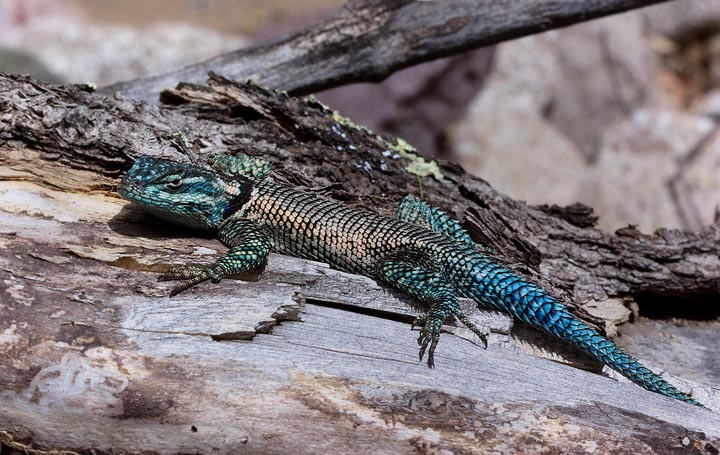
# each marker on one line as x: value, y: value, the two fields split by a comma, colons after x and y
x: 173, y: 182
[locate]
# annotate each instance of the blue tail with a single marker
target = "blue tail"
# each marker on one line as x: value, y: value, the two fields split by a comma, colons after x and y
x: 502, y: 289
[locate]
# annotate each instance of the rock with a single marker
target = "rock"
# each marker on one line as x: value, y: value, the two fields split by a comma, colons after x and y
x: 521, y: 155
x: 605, y: 71
x: 19, y: 62
x: 585, y: 114
x: 714, y: 57
x: 709, y: 104
x: 418, y: 103
x: 678, y: 19
x: 630, y: 183
x: 504, y: 137
x: 103, y: 54
x: 701, y: 181
x: 522, y: 78
x: 540, y: 117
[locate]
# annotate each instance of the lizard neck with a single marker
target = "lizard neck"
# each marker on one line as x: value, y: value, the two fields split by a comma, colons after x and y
x: 237, y: 192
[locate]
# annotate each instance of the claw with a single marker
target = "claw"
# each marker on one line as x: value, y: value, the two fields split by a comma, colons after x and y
x: 429, y: 335
x: 190, y: 274
x: 480, y: 334
x: 188, y: 284
x: 423, y: 342
x: 431, y: 354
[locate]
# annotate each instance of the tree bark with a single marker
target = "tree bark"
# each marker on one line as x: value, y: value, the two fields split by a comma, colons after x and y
x: 367, y: 40
x: 96, y: 357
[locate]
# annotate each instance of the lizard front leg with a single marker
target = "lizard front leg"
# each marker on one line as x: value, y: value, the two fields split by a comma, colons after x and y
x: 418, y: 277
x: 241, y: 164
x: 249, y: 248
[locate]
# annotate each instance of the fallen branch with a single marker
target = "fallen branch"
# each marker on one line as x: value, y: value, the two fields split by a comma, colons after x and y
x: 367, y: 40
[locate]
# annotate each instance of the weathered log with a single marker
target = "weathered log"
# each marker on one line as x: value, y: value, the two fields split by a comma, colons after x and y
x: 312, y: 146
x: 367, y: 40
x: 96, y: 357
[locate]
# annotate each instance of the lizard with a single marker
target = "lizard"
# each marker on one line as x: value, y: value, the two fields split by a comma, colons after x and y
x: 424, y: 252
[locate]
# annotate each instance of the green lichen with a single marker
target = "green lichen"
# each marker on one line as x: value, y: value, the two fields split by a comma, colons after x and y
x: 422, y: 167
x: 344, y: 121
x: 417, y: 165
x: 401, y: 146
x: 311, y: 100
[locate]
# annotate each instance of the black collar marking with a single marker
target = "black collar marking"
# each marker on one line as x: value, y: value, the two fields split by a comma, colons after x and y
x: 245, y: 187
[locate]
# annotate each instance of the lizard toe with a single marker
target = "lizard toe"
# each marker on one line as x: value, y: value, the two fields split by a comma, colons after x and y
x: 429, y: 336
x: 188, y: 284
x: 480, y: 333
x: 181, y: 273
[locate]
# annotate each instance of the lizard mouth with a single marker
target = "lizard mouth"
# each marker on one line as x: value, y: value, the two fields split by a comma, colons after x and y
x: 129, y: 191
x: 125, y: 191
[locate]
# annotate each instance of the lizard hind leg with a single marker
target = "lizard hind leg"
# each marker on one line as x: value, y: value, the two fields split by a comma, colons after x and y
x: 422, y: 280
x: 416, y: 211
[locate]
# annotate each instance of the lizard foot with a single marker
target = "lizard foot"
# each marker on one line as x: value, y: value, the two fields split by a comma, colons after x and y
x: 429, y: 335
x: 190, y: 274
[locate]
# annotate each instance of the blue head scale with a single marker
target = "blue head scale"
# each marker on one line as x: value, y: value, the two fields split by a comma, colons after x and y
x: 183, y: 193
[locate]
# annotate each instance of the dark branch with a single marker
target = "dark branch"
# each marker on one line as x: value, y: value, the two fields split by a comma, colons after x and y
x: 367, y: 40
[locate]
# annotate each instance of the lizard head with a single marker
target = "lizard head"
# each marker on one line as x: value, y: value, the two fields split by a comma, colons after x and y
x: 183, y: 193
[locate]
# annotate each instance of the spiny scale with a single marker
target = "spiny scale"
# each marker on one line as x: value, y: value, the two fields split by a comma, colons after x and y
x: 424, y: 252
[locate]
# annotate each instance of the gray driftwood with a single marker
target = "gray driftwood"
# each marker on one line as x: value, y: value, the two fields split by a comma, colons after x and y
x: 367, y: 40
x: 95, y: 358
